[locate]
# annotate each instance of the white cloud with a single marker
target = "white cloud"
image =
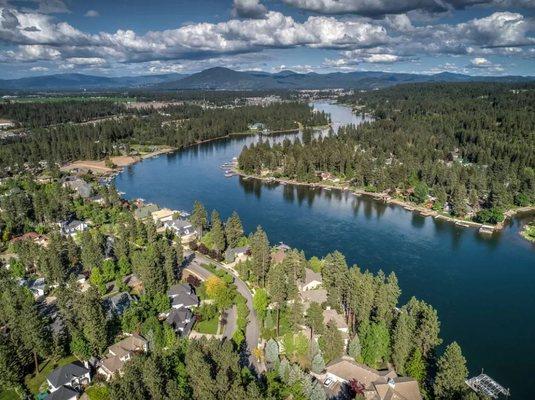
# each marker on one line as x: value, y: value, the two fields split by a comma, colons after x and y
x: 480, y: 62
x: 38, y: 69
x: 248, y: 9
x: 85, y: 61
x: 92, y: 14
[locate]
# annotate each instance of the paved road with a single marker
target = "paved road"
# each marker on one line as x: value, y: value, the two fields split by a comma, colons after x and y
x: 231, y: 320
x: 252, y: 332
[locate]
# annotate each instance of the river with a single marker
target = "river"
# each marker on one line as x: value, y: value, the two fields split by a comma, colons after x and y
x: 482, y: 287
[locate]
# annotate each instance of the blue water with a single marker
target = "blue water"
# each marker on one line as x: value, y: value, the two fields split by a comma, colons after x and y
x: 483, y: 288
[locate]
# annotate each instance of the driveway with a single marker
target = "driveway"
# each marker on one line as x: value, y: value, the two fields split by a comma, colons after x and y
x: 252, y: 332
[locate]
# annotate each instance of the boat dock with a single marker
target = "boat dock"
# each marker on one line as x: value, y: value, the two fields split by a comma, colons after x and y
x: 485, y: 385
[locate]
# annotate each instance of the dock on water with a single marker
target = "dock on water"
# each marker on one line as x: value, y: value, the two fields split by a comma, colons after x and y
x: 485, y: 385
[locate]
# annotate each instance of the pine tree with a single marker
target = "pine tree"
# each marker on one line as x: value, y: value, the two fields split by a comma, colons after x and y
x: 334, y: 274
x: 318, y: 364
x: 261, y: 256
x: 402, y: 341
x: 272, y: 351
x: 314, y: 319
x: 331, y: 343
x: 415, y: 366
x: 451, y: 374
x: 170, y: 263
x: 354, y: 349
x: 199, y: 217
x: 218, y: 234
x: 375, y: 344
x: 233, y: 230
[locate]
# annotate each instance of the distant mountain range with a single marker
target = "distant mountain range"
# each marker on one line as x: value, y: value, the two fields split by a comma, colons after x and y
x: 227, y: 79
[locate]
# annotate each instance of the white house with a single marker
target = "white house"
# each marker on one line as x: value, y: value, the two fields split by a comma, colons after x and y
x: 182, y: 228
x: 66, y: 382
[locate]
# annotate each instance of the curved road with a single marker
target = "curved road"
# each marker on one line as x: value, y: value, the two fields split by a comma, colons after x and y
x: 252, y: 332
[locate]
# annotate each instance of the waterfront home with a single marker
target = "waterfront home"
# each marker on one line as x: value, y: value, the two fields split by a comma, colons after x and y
x: 67, y: 381
x: 312, y: 280
x: 71, y: 228
x: 79, y: 186
x: 182, y: 295
x: 181, y: 320
x: 165, y: 214
x: 120, y: 353
x: 117, y: 304
x: 237, y: 254
x: 376, y: 385
x: 278, y: 256
x: 145, y: 211
x: 182, y: 228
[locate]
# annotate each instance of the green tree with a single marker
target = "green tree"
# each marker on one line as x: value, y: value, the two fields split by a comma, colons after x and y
x: 415, y: 366
x: 199, y: 217
x: 451, y: 374
x: 331, y: 343
x: 218, y: 233
x: 261, y: 256
x: 261, y: 302
x: 375, y: 344
x: 314, y: 319
x: 402, y: 341
x: 355, y: 349
x: 335, y: 274
x: 318, y: 364
x: 233, y: 230
x: 272, y: 351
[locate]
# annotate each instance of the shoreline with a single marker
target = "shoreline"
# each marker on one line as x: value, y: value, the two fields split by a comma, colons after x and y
x: 424, y: 212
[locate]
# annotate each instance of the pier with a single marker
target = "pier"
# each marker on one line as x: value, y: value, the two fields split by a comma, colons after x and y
x: 485, y: 385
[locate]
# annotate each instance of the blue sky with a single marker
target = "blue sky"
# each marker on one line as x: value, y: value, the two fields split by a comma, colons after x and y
x: 135, y: 37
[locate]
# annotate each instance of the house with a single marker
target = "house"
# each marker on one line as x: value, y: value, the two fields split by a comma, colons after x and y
x: 6, y: 123
x: 182, y: 295
x: 38, y: 239
x: 312, y: 280
x: 81, y: 187
x: 120, y: 353
x: 376, y: 385
x: 64, y: 393
x: 331, y: 315
x: 181, y: 320
x: 73, y: 227
x: 36, y: 286
x: 165, y: 214
x: 117, y: 304
x: 278, y: 256
x: 313, y: 296
x: 145, y: 211
x: 68, y: 380
x: 182, y: 228
x: 237, y: 254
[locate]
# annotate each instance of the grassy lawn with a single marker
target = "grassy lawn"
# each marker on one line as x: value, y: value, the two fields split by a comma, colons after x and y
x: 34, y: 382
x: 208, y: 326
x: 9, y: 395
x: 98, y: 392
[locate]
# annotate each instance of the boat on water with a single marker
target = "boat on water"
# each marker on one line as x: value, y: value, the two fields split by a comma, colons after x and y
x: 327, y: 189
x: 463, y: 224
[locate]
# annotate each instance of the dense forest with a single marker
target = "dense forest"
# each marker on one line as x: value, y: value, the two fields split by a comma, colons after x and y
x: 177, y: 126
x: 461, y: 147
x: 39, y: 114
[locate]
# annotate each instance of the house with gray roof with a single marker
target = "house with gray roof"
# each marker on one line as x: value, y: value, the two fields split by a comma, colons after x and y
x: 71, y: 228
x: 181, y: 228
x: 81, y: 187
x: 236, y: 254
x: 182, y: 295
x: 145, y: 211
x: 64, y: 393
x: 68, y: 378
x: 117, y: 304
x: 181, y: 320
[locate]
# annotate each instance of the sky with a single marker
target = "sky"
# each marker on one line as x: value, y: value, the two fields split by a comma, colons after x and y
x: 142, y: 37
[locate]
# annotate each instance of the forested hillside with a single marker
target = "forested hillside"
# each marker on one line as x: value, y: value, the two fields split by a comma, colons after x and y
x: 464, y: 146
